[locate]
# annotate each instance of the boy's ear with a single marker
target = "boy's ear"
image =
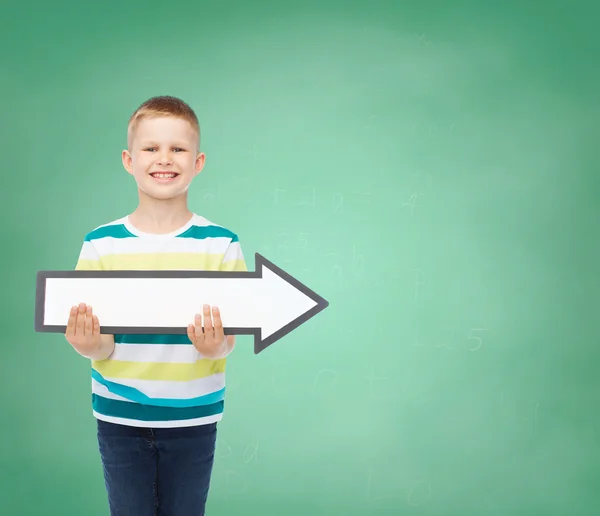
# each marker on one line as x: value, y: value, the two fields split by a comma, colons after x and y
x: 126, y: 158
x: 199, y: 162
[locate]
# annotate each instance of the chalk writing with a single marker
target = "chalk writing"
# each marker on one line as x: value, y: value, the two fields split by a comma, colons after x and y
x: 330, y: 378
x: 276, y: 195
x: 337, y: 204
x: 474, y: 340
x: 311, y: 200
x: 251, y: 452
x: 370, y: 496
x: 372, y: 378
x: 411, y: 203
x: 223, y: 449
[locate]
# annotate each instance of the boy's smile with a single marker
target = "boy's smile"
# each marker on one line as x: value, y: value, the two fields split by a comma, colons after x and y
x: 164, y: 177
x: 163, y: 157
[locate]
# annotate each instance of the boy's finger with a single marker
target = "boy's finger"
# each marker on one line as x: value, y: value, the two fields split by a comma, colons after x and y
x: 198, y: 327
x: 208, y: 325
x: 219, y: 335
x: 191, y: 333
x: 71, y: 322
x: 96, y: 325
x: 89, y: 322
x: 79, y: 328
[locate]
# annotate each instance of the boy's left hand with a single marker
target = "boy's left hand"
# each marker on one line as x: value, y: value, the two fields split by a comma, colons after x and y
x: 210, y: 341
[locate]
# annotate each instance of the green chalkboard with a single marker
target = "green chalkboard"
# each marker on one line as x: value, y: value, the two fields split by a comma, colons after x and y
x: 430, y: 168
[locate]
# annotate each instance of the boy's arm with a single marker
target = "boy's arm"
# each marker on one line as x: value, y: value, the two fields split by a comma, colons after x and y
x: 233, y: 260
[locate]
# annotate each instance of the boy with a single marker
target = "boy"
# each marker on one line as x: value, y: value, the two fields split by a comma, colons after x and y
x: 157, y: 398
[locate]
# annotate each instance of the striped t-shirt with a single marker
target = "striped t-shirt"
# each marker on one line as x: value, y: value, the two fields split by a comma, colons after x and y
x: 159, y: 380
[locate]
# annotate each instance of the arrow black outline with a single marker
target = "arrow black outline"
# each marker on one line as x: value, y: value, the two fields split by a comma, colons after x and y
x: 260, y: 261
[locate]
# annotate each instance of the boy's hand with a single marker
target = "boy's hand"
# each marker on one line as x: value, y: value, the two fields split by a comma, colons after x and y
x: 210, y: 341
x: 83, y: 330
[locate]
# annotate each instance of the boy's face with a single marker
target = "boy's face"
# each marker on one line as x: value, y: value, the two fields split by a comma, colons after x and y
x: 163, y: 157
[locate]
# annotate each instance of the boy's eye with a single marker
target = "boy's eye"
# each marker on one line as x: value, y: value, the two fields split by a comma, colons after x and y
x: 154, y: 148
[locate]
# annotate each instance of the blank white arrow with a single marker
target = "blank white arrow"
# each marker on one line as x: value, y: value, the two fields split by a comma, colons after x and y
x: 268, y: 303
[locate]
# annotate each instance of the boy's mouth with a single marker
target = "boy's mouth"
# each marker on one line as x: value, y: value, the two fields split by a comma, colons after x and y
x: 164, y: 177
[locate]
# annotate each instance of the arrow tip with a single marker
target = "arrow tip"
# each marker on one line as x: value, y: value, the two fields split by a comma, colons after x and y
x: 321, y: 303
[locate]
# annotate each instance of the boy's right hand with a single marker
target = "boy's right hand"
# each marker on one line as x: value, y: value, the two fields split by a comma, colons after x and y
x: 83, y: 330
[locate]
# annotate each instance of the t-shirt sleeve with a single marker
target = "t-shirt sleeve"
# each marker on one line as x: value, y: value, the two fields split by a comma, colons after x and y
x: 89, y: 259
x: 233, y: 259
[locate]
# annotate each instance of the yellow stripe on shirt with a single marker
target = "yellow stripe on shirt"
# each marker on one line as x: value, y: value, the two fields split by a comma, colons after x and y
x: 88, y: 265
x: 171, y: 372
x: 162, y: 261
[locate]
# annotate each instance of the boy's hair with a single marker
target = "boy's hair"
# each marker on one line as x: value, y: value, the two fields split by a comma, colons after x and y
x: 164, y: 105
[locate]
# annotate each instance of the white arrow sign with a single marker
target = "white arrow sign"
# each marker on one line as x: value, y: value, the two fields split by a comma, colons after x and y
x: 267, y: 303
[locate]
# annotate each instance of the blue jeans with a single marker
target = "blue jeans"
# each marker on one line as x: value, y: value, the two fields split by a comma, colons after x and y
x: 157, y: 471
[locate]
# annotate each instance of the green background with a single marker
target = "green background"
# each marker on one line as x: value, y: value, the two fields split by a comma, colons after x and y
x: 430, y: 168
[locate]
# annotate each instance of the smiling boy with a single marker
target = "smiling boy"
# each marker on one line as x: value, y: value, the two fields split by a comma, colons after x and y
x: 157, y: 398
